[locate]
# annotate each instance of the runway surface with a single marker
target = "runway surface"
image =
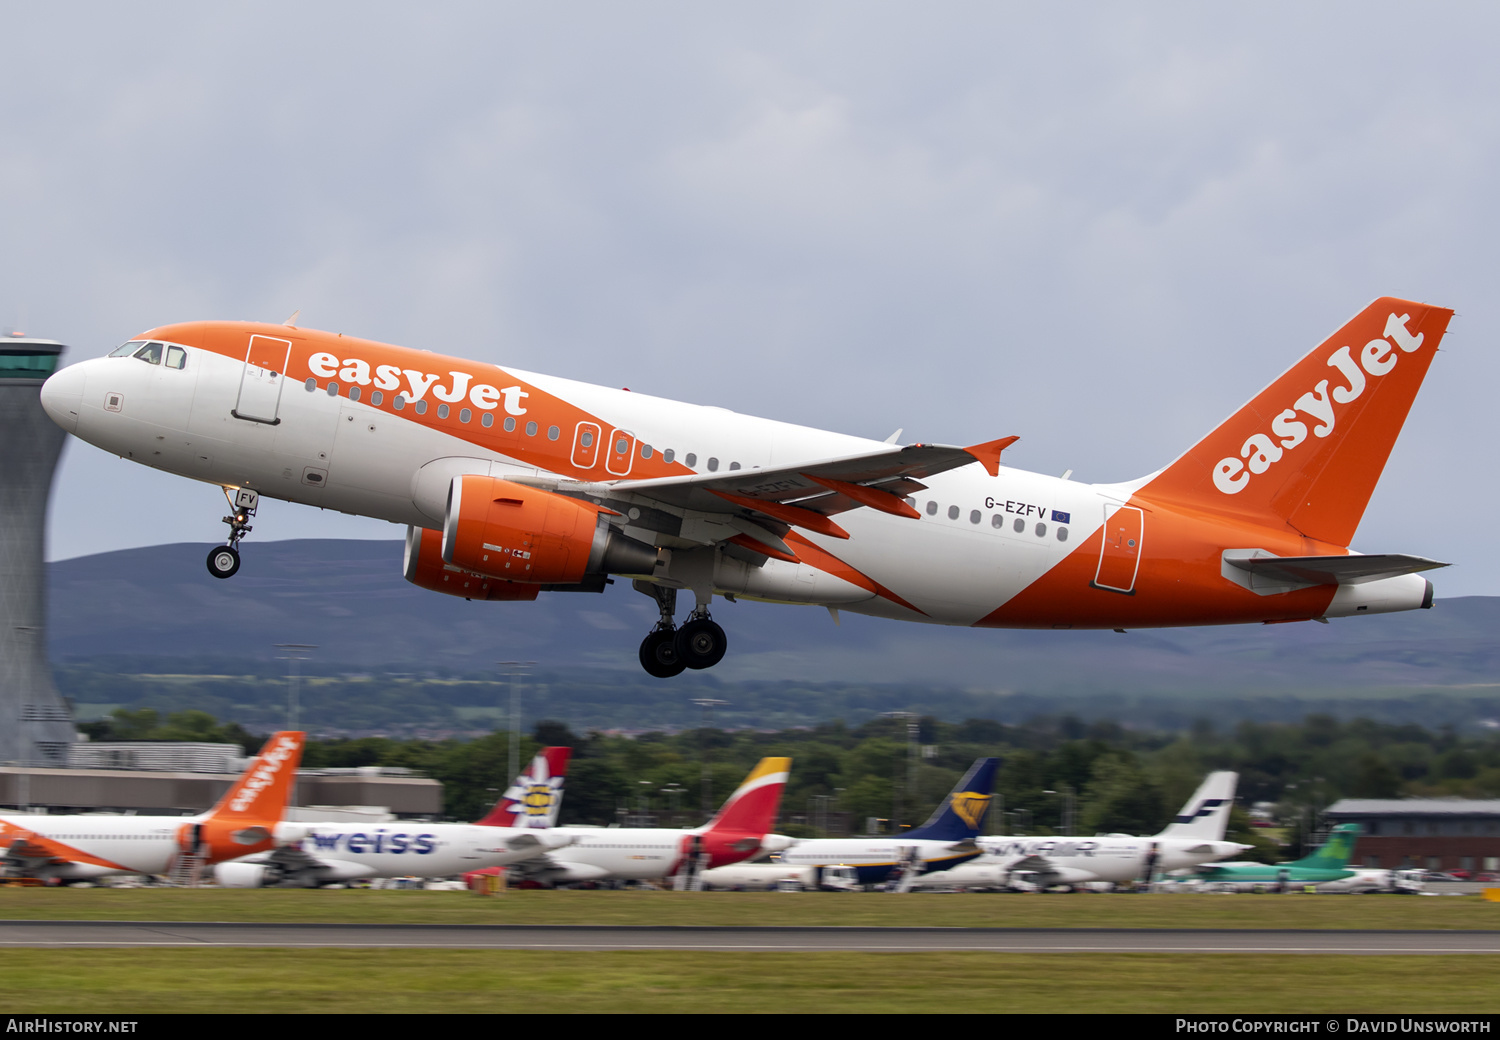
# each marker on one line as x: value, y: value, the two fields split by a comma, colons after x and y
x: 54, y: 934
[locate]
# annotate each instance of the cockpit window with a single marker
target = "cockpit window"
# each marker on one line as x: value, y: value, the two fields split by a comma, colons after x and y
x: 126, y: 349
x: 176, y: 357
x: 150, y: 353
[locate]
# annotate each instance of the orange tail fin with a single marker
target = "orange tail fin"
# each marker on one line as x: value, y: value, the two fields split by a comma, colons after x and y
x: 261, y: 793
x: 1308, y: 449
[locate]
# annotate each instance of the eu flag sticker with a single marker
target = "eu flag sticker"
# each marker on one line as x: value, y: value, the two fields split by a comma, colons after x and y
x: 1059, y: 517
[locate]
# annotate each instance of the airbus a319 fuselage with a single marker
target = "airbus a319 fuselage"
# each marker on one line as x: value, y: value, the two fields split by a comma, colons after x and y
x: 513, y: 482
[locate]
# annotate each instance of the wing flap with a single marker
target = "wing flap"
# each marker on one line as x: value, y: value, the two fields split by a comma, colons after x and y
x: 1326, y: 570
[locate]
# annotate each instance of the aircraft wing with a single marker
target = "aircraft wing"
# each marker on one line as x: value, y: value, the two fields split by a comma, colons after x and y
x: 801, y: 495
x: 1330, y: 570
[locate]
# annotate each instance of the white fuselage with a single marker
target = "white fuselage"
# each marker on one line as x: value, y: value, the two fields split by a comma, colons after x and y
x: 954, y: 568
x: 1079, y: 860
x: 127, y: 844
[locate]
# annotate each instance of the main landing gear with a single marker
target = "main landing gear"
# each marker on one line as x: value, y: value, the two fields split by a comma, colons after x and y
x: 224, y: 560
x: 667, y: 649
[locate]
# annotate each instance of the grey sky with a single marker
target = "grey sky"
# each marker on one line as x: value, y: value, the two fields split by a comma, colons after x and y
x: 1100, y: 227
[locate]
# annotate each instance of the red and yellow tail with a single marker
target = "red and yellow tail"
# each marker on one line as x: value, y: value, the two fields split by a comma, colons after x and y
x: 1308, y: 450
x: 752, y: 808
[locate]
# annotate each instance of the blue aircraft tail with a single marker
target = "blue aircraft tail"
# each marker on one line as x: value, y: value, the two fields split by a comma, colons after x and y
x: 962, y: 812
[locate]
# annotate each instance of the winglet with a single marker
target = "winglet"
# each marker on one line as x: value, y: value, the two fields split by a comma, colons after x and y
x: 988, y: 453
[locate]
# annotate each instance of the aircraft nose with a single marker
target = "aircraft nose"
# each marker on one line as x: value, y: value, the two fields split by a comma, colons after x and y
x: 62, y: 395
x: 776, y: 843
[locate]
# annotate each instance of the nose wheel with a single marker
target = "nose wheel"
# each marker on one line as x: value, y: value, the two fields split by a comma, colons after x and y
x: 224, y: 560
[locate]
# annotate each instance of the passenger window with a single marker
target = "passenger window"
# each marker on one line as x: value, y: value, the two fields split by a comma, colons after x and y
x: 399, y: 402
x: 997, y: 521
x: 734, y: 465
x: 150, y: 353
x: 974, y: 517
x: 421, y: 407
x: 1020, y: 525
x: 176, y: 357
x: 669, y: 455
x: 692, y: 460
x: 442, y: 411
x: 932, y: 509
x: 465, y: 415
x: 488, y: 419
x: 311, y: 384
x: 953, y: 512
x: 333, y: 389
x: 1062, y: 534
x: 354, y: 393
x: 553, y: 433
x: 645, y: 451
x: 510, y: 424
x: 713, y: 465
x: 376, y: 397
x: 531, y: 429
x: 1041, y: 530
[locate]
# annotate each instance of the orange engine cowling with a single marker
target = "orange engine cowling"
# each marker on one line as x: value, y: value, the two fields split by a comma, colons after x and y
x: 424, y: 567
x: 518, y: 533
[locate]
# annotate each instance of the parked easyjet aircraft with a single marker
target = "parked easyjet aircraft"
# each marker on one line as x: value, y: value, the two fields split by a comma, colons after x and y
x: 513, y: 483
x: 73, y: 848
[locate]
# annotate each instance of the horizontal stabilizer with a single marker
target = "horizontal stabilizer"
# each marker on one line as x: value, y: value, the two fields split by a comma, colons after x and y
x: 1325, y: 570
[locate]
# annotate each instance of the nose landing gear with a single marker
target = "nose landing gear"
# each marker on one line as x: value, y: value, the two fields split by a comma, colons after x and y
x: 224, y: 560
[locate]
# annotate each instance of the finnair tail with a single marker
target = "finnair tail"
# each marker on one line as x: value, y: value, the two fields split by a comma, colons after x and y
x: 535, y: 798
x: 1206, y: 813
x: 962, y: 812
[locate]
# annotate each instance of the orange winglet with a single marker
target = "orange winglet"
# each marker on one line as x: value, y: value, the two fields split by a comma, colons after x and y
x: 744, y: 541
x: 794, y: 515
x: 867, y: 496
x: 988, y: 453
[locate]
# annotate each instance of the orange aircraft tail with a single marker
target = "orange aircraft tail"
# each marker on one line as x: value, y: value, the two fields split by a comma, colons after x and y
x: 245, y: 819
x: 1307, y: 450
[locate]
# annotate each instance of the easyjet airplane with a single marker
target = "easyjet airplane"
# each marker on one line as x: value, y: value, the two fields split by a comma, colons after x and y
x: 76, y: 847
x: 512, y: 483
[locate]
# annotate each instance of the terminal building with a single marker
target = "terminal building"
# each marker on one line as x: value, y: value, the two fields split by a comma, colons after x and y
x: 1444, y: 834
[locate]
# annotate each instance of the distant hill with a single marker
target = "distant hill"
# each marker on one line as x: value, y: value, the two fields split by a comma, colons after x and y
x: 349, y: 598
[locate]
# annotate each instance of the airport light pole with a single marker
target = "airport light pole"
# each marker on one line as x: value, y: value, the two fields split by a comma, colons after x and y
x: 292, y: 653
x: 707, y: 704
x: 913, y: 749
x: 513, y: 669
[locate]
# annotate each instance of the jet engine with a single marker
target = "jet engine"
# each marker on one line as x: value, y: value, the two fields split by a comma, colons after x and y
x: 424, y: 568
x: 504, y: 530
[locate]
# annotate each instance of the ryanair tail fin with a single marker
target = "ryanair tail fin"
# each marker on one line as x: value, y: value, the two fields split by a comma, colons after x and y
x: 535, y: 798
x: 962, y: 812
x: 1206, y: 813
x: 1307, y: 450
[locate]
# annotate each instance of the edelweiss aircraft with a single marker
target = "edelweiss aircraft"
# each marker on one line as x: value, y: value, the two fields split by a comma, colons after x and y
x: 72, y: 848
x: 1195, y: 836
x: 535, y: 798
x: 945, y: 840
x: 512, y: 483
x: 738, y: 831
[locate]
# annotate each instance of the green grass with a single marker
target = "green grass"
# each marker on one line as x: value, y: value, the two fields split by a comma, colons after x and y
x: 231, y: 981
x: 751, y: 908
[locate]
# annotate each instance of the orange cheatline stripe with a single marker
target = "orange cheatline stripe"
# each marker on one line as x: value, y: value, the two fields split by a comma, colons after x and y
x: 823, y: 560
x: 795, y: 515
x: 868, y: 496
x: 54, y: 848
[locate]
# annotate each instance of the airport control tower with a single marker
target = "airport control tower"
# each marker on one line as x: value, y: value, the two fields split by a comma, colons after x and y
x: 36, y: 726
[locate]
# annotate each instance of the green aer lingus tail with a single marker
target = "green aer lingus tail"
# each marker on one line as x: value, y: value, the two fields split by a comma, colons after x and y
x: 1327, y: 863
